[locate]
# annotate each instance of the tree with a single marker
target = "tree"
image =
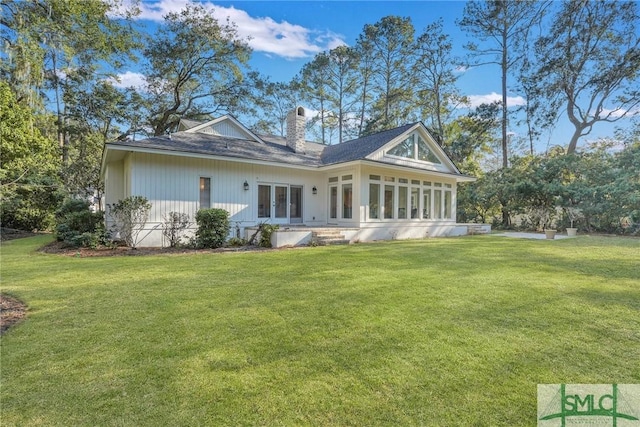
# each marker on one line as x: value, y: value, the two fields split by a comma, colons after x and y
x: 195, y: 68
x: 313, y: 83
x: 49, y: 41
x: 342, y: 69
x: 435, y: 83
x: 503, y: 26
x: 391, y: 41
x: 276, y: 99
x: 29, y: 184
x: 364, y: 51
x: 590, y: 64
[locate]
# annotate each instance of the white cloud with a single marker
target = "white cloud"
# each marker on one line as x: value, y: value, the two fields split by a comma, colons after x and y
x: 476, y: 100
x: 617, y: 113
x: 129, y: 79
x: 461, y: 69
x: 265, y: 35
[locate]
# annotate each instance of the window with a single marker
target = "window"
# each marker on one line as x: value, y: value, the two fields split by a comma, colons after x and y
x: 333, y: 179
x: 374, y: 177
x: 264, y: 201
x: 426, y: 204
x: 333, y: 202
x: 402, y: 202
x: 447, y: 204
x: 437, y: 204
x: 374, y: 201
x: 205, y: 193
x: 347, y: 196
x: 404, y: 149
x: 415, y: 148
x: 415, y: 200
x: 388, y: 201
x: 347, y: 177
x: 424, y: 153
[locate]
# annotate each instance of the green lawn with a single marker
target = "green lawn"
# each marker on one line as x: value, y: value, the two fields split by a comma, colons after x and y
x: 434, y: 332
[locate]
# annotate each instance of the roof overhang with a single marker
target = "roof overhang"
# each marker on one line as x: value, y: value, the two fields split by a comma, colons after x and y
x: 116, y: 152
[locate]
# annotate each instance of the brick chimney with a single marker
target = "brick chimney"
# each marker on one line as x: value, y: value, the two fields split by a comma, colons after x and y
x: 295, y: 129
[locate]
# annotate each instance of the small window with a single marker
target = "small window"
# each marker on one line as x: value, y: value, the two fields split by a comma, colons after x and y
x: 389, y: 179
x: 402, y: 202
x: 374, y: 177
x: 347, y: 198
x: 388, y: 201
x: 424, y: 153
x: 437, y: 184
x: 404, y: 149
x: 415, y: 182
x: 347, y: 177
x: 426, y: 182
x: 205, y: 193
x: 403, y: 180
x: 374, y: 201
x: 333, y: 179
x: 448, y: 185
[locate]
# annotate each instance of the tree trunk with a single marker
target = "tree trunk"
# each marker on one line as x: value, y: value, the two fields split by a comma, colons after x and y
x: 573, y: 143
x: 504, y: 65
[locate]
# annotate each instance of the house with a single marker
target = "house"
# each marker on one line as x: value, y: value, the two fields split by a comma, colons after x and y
x: 396, y: 184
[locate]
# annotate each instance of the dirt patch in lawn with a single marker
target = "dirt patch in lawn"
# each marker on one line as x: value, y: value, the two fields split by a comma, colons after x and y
x: 12, y: 310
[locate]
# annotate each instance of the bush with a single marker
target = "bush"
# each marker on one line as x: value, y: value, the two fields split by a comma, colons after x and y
x: 266, y: 230
x: 130, y: 216
x: 213, y: 228
x: 77, y: 225
x: 174, y: 226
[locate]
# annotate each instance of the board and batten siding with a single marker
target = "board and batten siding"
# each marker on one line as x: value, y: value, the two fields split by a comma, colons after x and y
x: 171, y: 184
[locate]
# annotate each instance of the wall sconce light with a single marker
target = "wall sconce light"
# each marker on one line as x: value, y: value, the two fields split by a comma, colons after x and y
x: 245, y: 185
x: 314, y: 190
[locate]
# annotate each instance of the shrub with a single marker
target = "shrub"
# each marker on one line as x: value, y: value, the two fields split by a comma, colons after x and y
x: 77, y: 225
x: 130, y: 216
x: 236, y: 242
x: 213, y: 228
x: 174, y: 226
x: 266, y: 230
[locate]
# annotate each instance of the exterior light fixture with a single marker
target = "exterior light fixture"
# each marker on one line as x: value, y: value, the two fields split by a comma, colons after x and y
x: 314, y: 190
x: 245, y: 185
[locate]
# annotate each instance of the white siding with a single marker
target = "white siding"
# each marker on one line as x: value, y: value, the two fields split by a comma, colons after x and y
x: 171, y: 183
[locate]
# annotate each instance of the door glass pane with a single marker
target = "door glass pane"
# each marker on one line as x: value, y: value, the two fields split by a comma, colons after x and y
x: 415, y: 200
x: 264, y: 201
x: 402, y: 202
x: 388, y: 201
x: 437, y: 204
x: 333, y: 202
x: 347, y: 194
x: 281, y: 202
x: 295, y: 209
x: 426, y: 204
x: 374, y: 201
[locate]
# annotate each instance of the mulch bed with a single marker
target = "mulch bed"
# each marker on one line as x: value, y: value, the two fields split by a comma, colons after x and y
x: 60, y: 248
x: 12, y: 310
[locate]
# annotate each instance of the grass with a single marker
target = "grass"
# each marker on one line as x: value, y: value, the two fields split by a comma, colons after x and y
x: 433, y: 332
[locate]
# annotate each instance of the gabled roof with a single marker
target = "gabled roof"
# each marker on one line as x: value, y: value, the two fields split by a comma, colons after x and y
x: 273, y: 149
x: 239, y: 127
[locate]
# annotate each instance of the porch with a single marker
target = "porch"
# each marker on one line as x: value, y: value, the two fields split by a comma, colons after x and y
x: 302, y: 235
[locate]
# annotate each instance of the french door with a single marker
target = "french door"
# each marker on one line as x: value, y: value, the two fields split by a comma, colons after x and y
x: 280, y: 203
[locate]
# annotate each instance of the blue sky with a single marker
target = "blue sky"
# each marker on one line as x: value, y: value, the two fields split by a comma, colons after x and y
x: 287, y: 34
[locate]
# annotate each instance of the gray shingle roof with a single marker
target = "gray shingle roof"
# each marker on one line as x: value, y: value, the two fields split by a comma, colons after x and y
x: 214, y: 145
x: 273, y: 149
